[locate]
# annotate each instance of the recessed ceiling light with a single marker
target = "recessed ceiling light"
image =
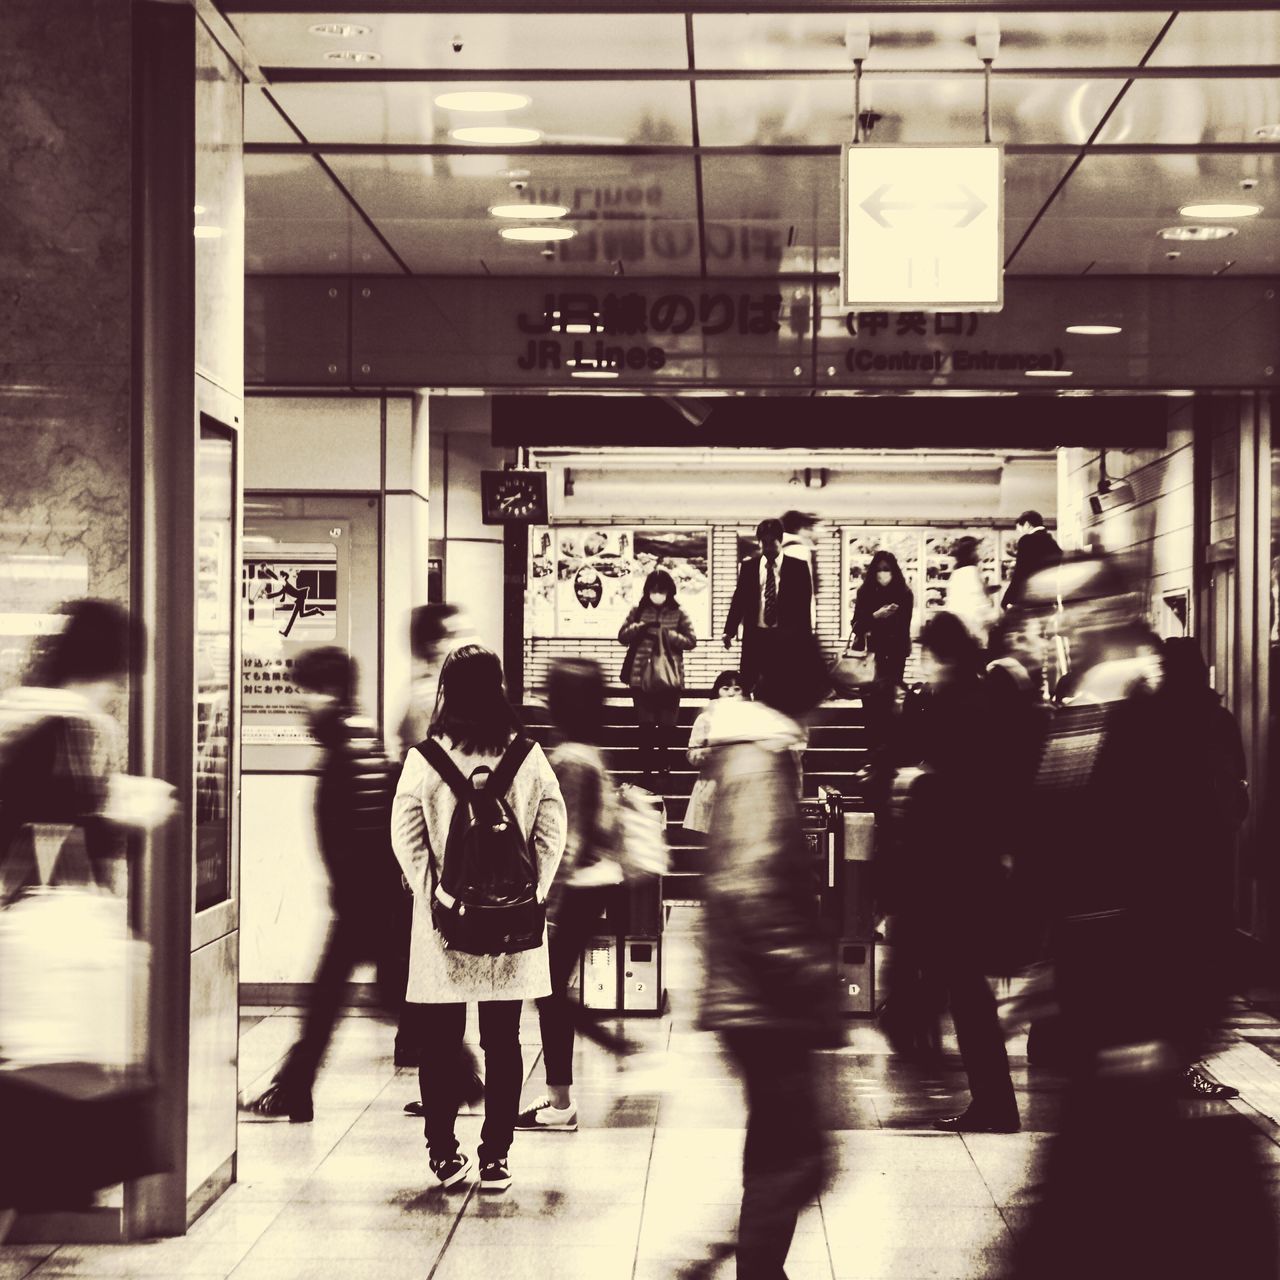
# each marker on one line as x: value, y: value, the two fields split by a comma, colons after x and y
x: 1094, y: 330
x: 529, y: 210
x: 1220, y: 210
x: 482, y: 100
x: 352, y: 55
x: 1197, y: 233
x: 1268, y: 133
x: 206, y: 233
x: 199, y: 209
x: 338, y: 30
x: 1049, y: 373
x: 537, y: 234
x: 594, y: 373
x: 495, y: 135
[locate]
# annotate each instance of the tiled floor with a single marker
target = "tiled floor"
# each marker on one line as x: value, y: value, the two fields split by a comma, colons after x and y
x: 650, y: 1179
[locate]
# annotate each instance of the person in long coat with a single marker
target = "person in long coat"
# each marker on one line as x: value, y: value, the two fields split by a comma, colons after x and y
x: 658, y: 620
x: 474, y: 724
x: 882, y: 618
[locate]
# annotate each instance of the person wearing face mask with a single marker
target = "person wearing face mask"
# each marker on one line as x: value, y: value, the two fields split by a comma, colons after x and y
x: 657, y: 626
x: 882, y: 618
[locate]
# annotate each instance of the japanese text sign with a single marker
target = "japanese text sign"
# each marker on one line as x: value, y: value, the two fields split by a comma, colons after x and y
x: 923, y: 228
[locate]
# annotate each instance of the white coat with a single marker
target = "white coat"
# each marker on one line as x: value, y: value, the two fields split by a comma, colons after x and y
x: 420, y: 816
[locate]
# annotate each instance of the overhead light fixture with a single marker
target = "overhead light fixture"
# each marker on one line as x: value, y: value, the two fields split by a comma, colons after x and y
x: 206, y: 232
x: 1094, y: 330
x: 1194, y: 233
x: 1049, y: 373
x: 1220, y: 210
x: 199, y: 209
x: 338, y: 30
x: 495, y: 135
x: 482, y: 100
x: 354, y: 56
x: 1267, y: 133
x: 594, y: 373
x: 528, y: 210
x: 535, y: 235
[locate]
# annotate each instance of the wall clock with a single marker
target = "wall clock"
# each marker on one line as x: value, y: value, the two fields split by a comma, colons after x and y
x: 514, y: 497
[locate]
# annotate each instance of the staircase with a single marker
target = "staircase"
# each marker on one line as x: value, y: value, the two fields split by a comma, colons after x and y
x: 837, y: 750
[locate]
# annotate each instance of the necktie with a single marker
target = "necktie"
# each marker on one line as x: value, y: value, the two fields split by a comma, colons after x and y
x: 770, y: 596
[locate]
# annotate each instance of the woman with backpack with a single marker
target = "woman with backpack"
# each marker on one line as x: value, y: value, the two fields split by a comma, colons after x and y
x: 480, y: 872
x: 657, y: 633
x: 588, y: 884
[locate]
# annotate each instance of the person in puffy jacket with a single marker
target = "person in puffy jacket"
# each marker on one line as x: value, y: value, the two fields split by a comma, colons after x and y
x: 353, y: 807
x: 770, y: 980
x: 658, y: 620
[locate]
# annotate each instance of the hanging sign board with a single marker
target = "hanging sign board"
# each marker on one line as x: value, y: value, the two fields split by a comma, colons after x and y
x: 922, y: 227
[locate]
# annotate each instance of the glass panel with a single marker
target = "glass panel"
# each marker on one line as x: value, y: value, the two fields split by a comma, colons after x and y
x: 215, y: 600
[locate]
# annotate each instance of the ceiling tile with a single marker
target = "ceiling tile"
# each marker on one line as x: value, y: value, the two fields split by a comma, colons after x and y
x: 262, y: 122
x: 489, y: 41
x: 1194, y: 111
x: 742, y: 113
x: 297, y: 221
x: 932, y: 40
x: 1108, y: 215
x: 434, y: 211
x: 581, y: 112
x: 1221, y: 39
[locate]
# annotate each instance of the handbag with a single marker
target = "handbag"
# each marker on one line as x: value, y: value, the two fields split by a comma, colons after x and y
x: 661, y: 674
x: 853, y: 670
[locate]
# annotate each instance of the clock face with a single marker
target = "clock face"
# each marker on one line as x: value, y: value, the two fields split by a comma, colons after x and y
x: 515, y: 496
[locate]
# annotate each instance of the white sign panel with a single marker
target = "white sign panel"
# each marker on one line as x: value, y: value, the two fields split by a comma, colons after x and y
x: 923, y: 228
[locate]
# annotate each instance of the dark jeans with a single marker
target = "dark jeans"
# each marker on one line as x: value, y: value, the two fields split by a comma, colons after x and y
x: 575, y: 924
x: 344, y: 948
x: 784, y: 1159
x: 441, y: 1028
x: 981, y: 1039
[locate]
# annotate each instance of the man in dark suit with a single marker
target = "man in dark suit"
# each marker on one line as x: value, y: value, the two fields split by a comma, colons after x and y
x: 1037, y: 550
x: 771, y: 603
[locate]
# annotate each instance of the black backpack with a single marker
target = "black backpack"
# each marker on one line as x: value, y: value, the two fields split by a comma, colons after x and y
x: 484, y: 898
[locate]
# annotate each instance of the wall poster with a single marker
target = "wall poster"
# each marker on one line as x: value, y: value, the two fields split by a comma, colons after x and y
x: 925, y: 557
x: 293, y: 597
x: 584, y: 580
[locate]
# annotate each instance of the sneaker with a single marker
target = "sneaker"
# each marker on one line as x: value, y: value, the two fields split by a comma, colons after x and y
x: 494, y: 1175
x: 976, y: 1121
x: 277, y: 1102
x: 451, y: 1169
x: 542, y: 1115
x: 1196, y: 1084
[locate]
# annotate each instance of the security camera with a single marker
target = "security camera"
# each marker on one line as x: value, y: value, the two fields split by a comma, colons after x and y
x: 548, y: 252
x: 1173, y: 255
x: 1248, y: 184
x: 456, y: 44
x: 518, y: 184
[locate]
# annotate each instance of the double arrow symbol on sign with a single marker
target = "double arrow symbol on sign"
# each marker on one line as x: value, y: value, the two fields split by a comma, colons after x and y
x: 969, y: 205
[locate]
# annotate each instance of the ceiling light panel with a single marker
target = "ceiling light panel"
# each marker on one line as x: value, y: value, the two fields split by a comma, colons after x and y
x: 1222, y: 38
x: 1194, y: 112
x: 640, y: 210
x: 576, y: 112
x: 297, y: 222
x: 757, y: 112
x: 508, y: 41
x: 903, y: 41
x: 1106, y: 218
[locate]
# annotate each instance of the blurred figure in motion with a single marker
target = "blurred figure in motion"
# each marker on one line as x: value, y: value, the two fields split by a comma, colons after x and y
x: 353, y: 824
x: 79, y: 1117
x: 697, y: 816
x: 657, y: 633
x: 587, y: 885
x: 770, y: 981
x: 434, y: 629
x: 967, y: 594
x: 1120, y: 822
x: 800, y: 541
x: 1214, y: 771
x: 950, y: 880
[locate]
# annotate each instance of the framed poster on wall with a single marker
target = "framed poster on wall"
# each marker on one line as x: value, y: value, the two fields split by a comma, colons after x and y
x: 584, y: 580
